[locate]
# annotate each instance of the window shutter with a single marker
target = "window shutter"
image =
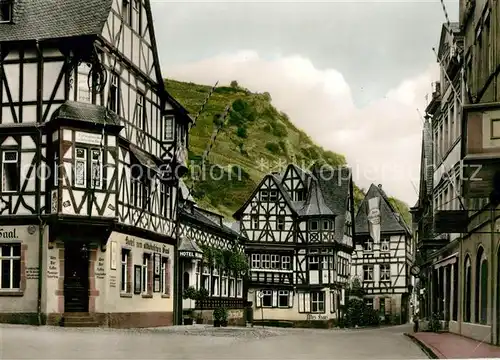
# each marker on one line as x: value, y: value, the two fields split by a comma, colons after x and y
x: 275, y: 298
x: 300, y: 299
x: 290, y: 299
x: 167, y: 275
x: 376, y: 303
x: 258, y: 300
x: 333, y: 295
x: 307, y: 302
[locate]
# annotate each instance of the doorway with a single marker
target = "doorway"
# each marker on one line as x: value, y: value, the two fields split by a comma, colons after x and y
x: 76, y: 277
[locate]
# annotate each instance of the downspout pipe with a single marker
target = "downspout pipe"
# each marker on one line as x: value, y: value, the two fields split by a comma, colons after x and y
x: 38, y: 186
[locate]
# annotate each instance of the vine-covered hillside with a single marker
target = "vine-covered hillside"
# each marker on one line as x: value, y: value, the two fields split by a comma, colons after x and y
x: 255, y: 139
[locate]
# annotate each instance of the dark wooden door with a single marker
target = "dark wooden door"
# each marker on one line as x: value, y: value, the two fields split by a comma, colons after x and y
x: 76, y: 278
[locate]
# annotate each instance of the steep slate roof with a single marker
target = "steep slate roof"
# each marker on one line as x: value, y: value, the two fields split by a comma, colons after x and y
x: 335, y: 185
x: 315, y: 204
x: 50, y: 19
x: 390, y: 219
x: 188, y: 244
x: 72, y: 110
x: 328, y: 191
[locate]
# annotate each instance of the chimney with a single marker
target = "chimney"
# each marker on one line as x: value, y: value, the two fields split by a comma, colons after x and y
x: 380, y: 186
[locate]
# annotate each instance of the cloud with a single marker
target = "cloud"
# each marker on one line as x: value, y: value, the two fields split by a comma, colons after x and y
x: 381, y: 140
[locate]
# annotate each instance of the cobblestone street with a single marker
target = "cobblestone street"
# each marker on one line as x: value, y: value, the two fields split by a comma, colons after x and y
x: 198, y: 342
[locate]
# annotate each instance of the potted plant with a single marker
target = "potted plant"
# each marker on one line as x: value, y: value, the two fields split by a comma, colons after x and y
x: 200, y: 296
x: 191, y: 294
x: 220, y: 317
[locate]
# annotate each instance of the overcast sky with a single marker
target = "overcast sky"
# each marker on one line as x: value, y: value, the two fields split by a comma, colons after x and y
x: 352, y: 74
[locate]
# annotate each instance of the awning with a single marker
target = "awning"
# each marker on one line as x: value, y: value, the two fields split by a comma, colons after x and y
x: 144, y: 158
x: 189, y: 249
x: 446, y: 261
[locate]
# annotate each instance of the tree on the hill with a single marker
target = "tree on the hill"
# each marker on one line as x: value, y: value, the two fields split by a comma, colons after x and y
x: 234, y: 84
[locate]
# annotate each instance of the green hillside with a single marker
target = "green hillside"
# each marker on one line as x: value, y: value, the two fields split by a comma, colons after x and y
x: 255, y: 139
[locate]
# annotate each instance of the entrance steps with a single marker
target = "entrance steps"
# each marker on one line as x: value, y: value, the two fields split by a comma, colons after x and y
x: 78, y: 319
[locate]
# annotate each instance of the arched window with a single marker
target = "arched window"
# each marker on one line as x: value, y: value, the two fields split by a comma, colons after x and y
x: 467, y: 282
x: 481, y: 284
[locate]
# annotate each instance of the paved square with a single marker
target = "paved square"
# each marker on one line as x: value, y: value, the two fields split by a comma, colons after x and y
x: 200, y: 342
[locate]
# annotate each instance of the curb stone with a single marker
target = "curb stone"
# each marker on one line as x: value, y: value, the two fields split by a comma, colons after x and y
x: 431, y: 354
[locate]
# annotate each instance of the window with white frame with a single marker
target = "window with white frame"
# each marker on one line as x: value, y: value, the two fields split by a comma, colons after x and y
x: 280, y: 223
x: 255, y: 221
x: 313, y: 260
x: 368, y: 245
x: 327, y: 225
x: 264, y: 195
x: 10, y: 266
x: 267, y: 298
x: 367, y: 272
x: 165, y: 277
x: 333, y: 302
x: 273, y: 196
x: 385, y: 272
x: 285, y: 263
x: 318, y: 302
x: 205, y: 278
x: 255, y: 261
x: 56, y: 168
x: 215, y: 282
x: 232, y: 285
x: 136, y: 15
x: 6, y: 11
x: 125, y: 275
x: 80, y: 167
x: 96, y: 168
x: 139, y: 112
x: 265, y: 261
x: 283, y: 298
x: 11, y: 171
x: 239, y: 287
x: 275, y: 261
x: 114, y: 94
x: 224, y: 284
x: 168, y: 128
x: 146, y: 259
x: 385, y: 244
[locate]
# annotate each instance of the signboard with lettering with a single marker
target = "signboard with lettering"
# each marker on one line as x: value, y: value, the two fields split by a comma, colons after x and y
x: 190, y: 254
x: 88, y: 138
x: 147, y: 245
x: 53, y: 268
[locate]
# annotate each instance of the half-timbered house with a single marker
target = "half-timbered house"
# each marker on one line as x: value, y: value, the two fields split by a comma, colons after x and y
x: 298, y: 227
x: 383, y: 256
x: 91, y: 148
x: 203, y: 235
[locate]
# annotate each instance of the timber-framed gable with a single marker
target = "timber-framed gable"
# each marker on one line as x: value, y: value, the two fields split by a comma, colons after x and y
x: 302, y: 275
x: 383, y: 256
x: 84, y: 106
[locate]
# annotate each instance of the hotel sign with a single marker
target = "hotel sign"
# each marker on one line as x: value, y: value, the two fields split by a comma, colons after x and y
x: 190, y: 254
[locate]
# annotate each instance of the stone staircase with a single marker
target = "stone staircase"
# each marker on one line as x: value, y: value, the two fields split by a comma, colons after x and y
x: 77, y: 319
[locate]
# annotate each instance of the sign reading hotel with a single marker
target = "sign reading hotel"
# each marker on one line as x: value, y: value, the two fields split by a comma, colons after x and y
x: 190, y: 254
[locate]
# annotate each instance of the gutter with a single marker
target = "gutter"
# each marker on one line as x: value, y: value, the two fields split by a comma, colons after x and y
x: 38, y: 186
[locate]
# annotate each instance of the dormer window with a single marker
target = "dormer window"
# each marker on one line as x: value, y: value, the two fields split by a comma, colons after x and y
x: 300, y: 195
x: 6, y: 11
